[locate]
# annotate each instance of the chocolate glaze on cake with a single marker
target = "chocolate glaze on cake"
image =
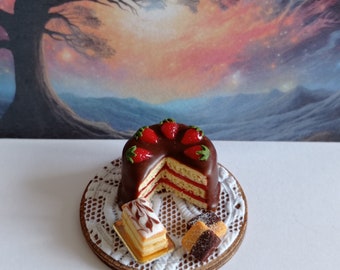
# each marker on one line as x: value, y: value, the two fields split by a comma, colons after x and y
x: 134, y: 173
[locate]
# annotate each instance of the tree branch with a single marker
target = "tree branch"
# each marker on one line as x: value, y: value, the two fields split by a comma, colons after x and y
x: 120, y: 3
x: 63, y: 18
x: 86, y: 44
x: 55, y: 35
x: 5, y: 19
x: 5, y: 44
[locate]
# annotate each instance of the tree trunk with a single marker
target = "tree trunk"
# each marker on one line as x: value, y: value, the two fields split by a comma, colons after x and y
x: 36, y: 111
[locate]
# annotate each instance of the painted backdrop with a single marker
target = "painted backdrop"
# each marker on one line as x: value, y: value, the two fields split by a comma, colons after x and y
x: 239, y: 69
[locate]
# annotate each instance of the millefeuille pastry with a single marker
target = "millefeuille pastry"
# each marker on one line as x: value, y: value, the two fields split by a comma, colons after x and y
x: 142, y: 232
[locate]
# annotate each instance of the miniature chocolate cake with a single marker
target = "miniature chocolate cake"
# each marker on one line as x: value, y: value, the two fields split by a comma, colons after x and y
x: 173, y: 157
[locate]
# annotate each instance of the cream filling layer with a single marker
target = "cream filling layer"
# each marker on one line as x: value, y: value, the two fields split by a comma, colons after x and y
x: 145, y: 246
x: 177, y: 167
x: 180, y: 194
x: 140, y: 233
x: 180, y: 183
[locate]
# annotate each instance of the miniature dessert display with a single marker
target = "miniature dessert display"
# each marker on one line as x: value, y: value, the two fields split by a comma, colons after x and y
x: 173, y: 157
x: 141, y: 230
x: 200, y: 241
x: 165, y: 204
x: 211, y: 220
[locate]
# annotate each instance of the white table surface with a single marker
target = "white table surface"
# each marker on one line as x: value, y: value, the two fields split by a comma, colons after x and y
x: 292, y: 189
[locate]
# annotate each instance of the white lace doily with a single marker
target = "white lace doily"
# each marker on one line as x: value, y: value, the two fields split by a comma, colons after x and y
x: 98, y: 212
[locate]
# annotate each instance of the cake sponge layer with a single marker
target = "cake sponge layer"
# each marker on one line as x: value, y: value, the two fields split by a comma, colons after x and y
x: 200, y: 241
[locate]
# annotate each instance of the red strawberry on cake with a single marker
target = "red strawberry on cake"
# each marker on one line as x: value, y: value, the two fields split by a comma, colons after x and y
x: 146, y: 134
x: 182, y: 160
x: 192, y: 135
x: 137, y: 154
x: 198, y: 152
x: 169, y: 128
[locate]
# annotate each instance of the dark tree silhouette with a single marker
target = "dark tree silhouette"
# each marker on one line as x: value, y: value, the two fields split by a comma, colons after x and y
x: 36, y: 110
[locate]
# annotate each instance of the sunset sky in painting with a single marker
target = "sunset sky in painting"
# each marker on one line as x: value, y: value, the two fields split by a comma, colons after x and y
x: 165, y: 54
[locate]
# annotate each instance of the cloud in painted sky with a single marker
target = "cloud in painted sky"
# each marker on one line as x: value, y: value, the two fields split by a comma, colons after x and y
x: 245, y: 46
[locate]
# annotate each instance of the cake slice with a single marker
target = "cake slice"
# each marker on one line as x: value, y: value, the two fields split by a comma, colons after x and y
x: 142, y: 231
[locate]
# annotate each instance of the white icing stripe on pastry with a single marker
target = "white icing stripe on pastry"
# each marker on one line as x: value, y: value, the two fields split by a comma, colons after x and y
x: 142, y: 215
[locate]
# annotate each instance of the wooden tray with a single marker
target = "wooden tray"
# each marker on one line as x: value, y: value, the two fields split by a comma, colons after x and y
x: 98, y: 213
